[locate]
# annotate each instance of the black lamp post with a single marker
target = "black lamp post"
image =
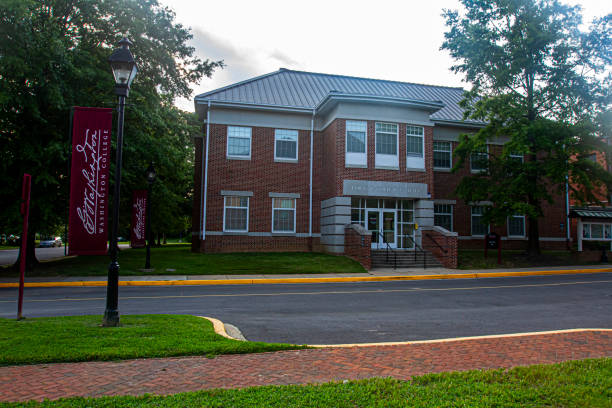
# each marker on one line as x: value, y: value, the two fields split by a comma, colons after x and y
x: 124, y: 70
x: 150, y: 173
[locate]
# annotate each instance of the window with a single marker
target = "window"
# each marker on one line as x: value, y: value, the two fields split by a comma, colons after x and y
x: 414, y: 141
x: 239, y: 142
x: 442, y: 155
x: 283, y: 215
x: 478, y: 227
x: 602, y: 232
x: 516, y: 226
x: 236, y: 214
x: 405, y: 224
x: 356, y: 144
x: 517, y: 156
x: 358, y: 207
x: 386, y: 138
x: 355, y: 136
x: 443, y: 216
x: 478, y: 160
x: 285, y: 144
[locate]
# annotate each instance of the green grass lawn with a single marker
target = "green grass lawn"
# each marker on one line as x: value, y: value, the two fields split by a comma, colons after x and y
x: 179, y: 260
x: 81, y: 338
x: 586, y: 383
x: 474, y: 259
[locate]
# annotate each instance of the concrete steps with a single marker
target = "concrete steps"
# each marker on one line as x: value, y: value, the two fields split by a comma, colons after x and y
x: 405, y: 259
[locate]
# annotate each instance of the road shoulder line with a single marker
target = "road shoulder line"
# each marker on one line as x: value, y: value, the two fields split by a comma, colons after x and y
x: 247, y: 281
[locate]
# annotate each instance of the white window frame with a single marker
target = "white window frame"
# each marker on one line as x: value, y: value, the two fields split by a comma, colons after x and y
x: 518, y: 156
x: 285, y: 209
x: 524, y: 226
x: 603, y: 231
x: 293, y: 132
x: 225, y: 207
x: 414, y: 160
x: 472, y: 169
x: 356, y: 159
x: 441, y: 213
x: 450, y: 154
x: 472, y: 222
x: 250, y: 138
x: 384, y: 160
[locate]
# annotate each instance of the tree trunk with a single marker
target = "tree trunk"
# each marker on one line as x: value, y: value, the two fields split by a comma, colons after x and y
x: 533, y: 245
x: 31, y: 261
x: 165, y: 242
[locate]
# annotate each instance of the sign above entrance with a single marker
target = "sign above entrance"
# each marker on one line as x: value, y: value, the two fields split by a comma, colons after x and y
x: 368, y: 188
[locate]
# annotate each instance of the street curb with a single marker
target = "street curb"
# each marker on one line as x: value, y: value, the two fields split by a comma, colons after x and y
x: 452, y: 339
x: 242, y: 281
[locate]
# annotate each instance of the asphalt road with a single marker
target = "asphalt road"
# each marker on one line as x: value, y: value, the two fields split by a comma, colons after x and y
x: 334, y: 313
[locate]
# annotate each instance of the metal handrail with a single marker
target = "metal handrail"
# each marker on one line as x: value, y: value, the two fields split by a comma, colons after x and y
x: 388, y: 249
x: 416, y: 246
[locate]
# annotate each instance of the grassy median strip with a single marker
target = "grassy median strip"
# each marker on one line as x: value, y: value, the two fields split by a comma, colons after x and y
x: 80, y: 338
x: 585, y: 383
x: 179, y: 260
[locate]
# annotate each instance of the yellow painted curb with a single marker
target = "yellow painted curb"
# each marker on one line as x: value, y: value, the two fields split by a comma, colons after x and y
x: 494, y: 336
x: 243, y: 281
x: 218, y: 326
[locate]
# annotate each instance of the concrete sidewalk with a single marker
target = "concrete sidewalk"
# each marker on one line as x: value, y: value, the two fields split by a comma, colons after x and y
x: 380, y: 274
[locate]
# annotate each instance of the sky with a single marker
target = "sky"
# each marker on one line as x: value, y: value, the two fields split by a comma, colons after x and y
x: 394, y: 40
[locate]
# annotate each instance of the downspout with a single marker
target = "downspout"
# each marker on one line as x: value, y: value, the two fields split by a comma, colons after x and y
x: 206, y: 173
x: 310, y: 193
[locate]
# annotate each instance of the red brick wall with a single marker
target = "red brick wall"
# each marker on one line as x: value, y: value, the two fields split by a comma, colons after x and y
x: 335, y: 146
x: 358, y: 246
x: 445, y: 251
x: 243, y: 243
x: 549, y: 226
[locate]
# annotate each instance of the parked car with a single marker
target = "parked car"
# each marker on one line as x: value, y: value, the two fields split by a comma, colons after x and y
x: 50, y: 242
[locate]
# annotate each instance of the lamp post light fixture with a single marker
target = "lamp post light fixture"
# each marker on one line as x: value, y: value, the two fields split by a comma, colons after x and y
x: 150, y: 174
x: 124, y: 70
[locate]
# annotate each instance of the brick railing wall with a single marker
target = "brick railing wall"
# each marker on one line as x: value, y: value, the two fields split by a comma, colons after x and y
x: 446, y: 252
x: 358, y: 245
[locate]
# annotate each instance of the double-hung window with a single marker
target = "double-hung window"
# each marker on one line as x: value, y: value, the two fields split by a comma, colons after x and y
x: 516, y: 226
x: 443, y: 216
x: 386, y: 145
x: 239, y: 142
x: 236, y: 214
x: 285, y: 145
x: 478, y: 226
x: 442, y: 155
x: 479, y: 160
x: 283, y: 215
x: 415, y: 143
x: 356, y: 143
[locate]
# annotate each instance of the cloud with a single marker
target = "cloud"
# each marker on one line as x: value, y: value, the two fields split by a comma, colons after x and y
x: 240, y: 63
x: 284, y: 58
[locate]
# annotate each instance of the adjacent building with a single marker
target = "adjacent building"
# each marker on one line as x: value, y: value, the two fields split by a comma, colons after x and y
x: 301, y: 161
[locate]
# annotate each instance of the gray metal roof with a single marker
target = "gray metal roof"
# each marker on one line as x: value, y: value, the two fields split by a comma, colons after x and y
x: 602, y: 213
x: 305, y: 90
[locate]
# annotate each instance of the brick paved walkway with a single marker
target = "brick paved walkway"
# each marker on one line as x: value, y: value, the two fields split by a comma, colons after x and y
x: 172, y: 375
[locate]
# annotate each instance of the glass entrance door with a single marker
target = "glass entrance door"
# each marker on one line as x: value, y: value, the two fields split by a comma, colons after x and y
x: 381, y: 224
x: 388, y: 227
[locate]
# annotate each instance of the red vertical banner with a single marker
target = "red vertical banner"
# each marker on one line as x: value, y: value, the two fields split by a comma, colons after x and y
x: 139, y: 219
x: 89, y: 181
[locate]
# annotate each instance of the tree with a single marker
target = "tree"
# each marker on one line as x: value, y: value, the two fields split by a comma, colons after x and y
x: 538, y: 82
x: 53, y: 55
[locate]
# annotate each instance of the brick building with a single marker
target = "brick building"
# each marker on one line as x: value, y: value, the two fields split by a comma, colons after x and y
x: 289, y: 160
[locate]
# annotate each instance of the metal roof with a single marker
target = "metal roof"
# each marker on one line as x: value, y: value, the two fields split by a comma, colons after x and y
x: 306, y: 90
x: 603, y: 213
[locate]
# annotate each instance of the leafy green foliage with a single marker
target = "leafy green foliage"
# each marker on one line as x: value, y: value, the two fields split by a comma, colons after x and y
x: 81, y: 338
x: 539, y: 85
x: 586, y: 383
x: 181, y: 261
x: 53, y: 55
